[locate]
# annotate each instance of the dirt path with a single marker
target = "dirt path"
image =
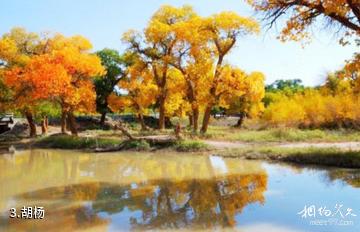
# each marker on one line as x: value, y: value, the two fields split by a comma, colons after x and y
x: 340, y: 145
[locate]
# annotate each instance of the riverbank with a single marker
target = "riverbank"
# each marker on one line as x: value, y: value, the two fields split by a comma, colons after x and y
x: 72, y: 180
x: 103, y: 144
x: 339, y: 148
x: 280, y: 135
x: 340, y: 154
x: 331, y: 156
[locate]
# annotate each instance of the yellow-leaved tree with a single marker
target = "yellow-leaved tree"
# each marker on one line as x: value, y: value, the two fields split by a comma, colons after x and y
x: 185, y: 53
x: 141, y: 92
x: 301, y: 14
x: 193, y: 58
x: 341, y: 15
x: 155, y: 47
x: 222, y: 31
x: 249, y: 104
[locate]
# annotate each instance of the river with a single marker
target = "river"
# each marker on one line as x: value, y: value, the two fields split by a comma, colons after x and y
x: 173, y: 191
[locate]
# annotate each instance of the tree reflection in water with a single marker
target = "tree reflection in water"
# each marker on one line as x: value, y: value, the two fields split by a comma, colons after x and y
x: 162, y: 203
x: 349, y: 176
x: 134, y: 191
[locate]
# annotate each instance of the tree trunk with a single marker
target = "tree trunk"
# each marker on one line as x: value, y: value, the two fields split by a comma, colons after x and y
x: 191, y: 120
x: 46, y: 122
x: 141, y: 121
x: 72, y: 123
x: 32, y: 126
x: 206, y: 119
x: 178, y: 131
x: 63, y: 122
x: 162, y: 113
x: 43, y: 128
x: 195, y: 119
x: 241, y: 120
x: 195, y: 109
x: 212, y: 92
x: 102, y: 119
x: 124, y: 131
x: 44, y: 125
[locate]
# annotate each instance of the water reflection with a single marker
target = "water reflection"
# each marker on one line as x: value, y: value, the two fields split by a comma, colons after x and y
x: 351, y: 177
x: 97, y: 192
x: 82, y: 190
x: 159, y: 203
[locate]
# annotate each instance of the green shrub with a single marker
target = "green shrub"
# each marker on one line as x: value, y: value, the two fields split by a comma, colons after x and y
x: 190, y: 145
x: 138, y: 145
x: 73, y: 142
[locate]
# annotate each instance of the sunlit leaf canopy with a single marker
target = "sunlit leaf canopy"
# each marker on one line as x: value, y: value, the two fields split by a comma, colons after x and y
x: 343, y: 15
x: 185, y: 54
x: 177, y: 66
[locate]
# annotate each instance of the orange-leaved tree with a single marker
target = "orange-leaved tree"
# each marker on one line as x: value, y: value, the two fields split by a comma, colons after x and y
x: 75, y: 90
x: 61, y: 73
x: 16, y: 50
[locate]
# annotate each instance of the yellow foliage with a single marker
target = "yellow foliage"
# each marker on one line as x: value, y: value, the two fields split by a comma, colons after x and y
x: 240, y: 92
x: 17, y: 46
x: 141, y: 91
x: 301, y: 14
x: 250, y: 102
x: 176, y: 103
x: 352, y: 71
x: 167, y: 20
x: 184, y: 53
x: 314, y: 108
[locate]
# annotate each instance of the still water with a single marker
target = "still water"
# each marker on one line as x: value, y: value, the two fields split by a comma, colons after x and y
x: 139, y: 191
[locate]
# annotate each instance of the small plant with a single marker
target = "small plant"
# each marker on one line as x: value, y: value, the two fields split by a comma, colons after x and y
x: 138, y: 145
x: 190, y: 145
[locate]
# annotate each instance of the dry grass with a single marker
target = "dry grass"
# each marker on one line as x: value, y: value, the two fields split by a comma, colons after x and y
x: 281, y: 135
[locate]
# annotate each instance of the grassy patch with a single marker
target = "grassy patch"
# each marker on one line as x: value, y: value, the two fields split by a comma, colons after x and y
x: 323, y: 156
x: 150, y: 132
x: 190, y: 145
x: 317, y: 156
x: 138, y: 145
x: 73, y: 142
x: 183, y: 145
x: 281, y: 135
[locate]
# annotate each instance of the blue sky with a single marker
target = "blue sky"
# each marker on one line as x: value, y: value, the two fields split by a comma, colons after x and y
x: 103, y: 22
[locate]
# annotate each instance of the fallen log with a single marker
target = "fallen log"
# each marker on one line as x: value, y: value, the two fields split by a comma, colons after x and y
x: 152, y: 140
x: 159, y: 140
x: 124, y: 131
x: 110, y: 149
